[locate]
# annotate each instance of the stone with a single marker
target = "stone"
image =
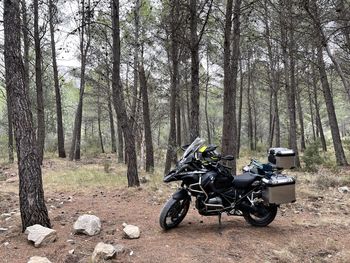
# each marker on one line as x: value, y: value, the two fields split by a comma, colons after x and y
x: 131, y: 231
x: 38, y: 260
x: 103, y: 252
x: 11, y: 180
x: 343, y: 189
x: 5, y: 215
x: 2, y: 229
x: 88, y: 224
x: 119, y: 249
x: 71, y: 251
x: 40, y: 235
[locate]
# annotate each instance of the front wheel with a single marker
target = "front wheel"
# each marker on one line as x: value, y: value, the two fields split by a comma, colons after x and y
x: 173, y: 212
x: 263, y: 215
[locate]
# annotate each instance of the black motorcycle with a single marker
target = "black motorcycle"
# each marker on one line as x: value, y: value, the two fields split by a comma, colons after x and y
x: 255, y: 195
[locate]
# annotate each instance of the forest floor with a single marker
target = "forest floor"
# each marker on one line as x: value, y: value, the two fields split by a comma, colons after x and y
x: 314, y: 229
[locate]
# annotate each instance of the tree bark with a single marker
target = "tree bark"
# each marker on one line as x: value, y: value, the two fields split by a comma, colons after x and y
x: 99, y: 113
x: 240, y: 105
x: 317, y: 109
x: 333, y: 123
x: 84, y: 48
x: 120, y: 142
x: 119, y: 101
x: 194, y: 127
x: 206, y: 99
x: 31, y: 194
x: 338, y: 147
x: 277, y: 120
x: 39, y: 85
x: 249, y: 105
x: 111, y: 125
x: 288, y: 44
x: 9, y: 127
x: 26, y: 42
x: 229, y: 130
x: 301, y: 120
x: 311, y: 110
x: 136, y: 61
x: 60, y: 133
x: 146, y: 121
x: 171, y: 151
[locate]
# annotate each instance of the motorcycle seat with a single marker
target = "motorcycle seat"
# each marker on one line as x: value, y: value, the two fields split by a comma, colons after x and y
x: 244, y: 180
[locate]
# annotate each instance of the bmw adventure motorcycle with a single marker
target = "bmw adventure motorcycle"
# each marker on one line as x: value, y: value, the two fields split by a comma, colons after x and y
x: 255, y: 195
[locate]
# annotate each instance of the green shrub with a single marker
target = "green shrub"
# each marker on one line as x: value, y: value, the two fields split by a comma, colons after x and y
x: 312, y: 157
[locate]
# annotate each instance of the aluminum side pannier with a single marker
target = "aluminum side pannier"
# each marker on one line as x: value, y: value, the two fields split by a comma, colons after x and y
x: 282, y: 158
x: 279, y: 189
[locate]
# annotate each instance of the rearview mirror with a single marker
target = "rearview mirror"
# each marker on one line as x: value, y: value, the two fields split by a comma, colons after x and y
x: 228, y: 158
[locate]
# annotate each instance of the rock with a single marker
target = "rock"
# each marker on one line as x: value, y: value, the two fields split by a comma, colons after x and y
x: 40, y: 235
x: 103, y: 252
x: 6, y: 244
x: 71, y: 251
x: 71, y: 241
x: 119, y: 249
x: 343, y: 189
x: 2, y: 229
x: 88, y: 224
x: 5, y: 215
x: 38, y: 260
x: 131, y: 231
x: 11, y: 180
x: 144, y: 180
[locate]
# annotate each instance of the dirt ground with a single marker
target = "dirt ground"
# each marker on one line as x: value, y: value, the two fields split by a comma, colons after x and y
x: 314, y: 229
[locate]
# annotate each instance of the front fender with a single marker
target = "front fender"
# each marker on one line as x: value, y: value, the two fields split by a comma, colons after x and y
x: 181, y: 194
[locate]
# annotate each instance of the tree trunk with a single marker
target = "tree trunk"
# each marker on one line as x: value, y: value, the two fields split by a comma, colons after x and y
x: 39, y: 85
x: 136, y: 62
x: 26, y: 42
x: 301, y: 121
x: 311, y: 109
x: 277, y: 120
x: 84, y: 48
x: 31, y: 194
x: 9, y: 127
x: 146, y: 121
x: 333, y: 123
x: 119, y: 102
x: 288, y: 44
x: 317, y: 109
x: 229, y: 130
x: 60, y: 134
x: 110, y: 113
x: 111, y: 125
x: 239, y: 128
x: 249, y: 105
x: 337, y: 68
x: 120, y: 142
x: 206, y: 99
x: 255, y: 117
x: 171, y: 151
x: 178, y: 118
x: 99, y: 113
x: 194, y: 128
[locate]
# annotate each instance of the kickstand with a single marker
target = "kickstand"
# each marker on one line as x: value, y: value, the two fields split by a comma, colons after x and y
x: 220, y: 224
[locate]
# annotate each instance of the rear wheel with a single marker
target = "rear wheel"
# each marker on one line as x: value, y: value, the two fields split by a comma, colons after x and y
x: 263, y: 215
x: 173, y: 212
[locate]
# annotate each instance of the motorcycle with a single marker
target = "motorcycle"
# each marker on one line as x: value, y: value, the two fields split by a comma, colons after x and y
x: 255, y: 195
